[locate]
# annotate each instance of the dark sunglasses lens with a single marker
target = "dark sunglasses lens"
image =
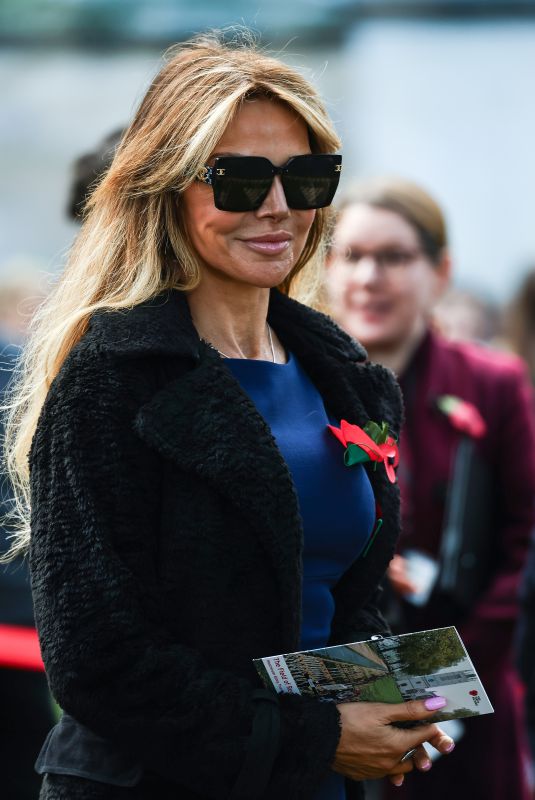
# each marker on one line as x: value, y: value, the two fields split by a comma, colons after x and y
x: 241, y: 183
x: 311, y: 181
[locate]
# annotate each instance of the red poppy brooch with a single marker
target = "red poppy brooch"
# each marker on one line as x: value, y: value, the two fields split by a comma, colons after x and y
x: 463, y: 416
x: 371, y: 443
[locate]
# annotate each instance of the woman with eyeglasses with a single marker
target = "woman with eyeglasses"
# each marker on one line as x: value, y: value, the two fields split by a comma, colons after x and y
x: 467, y: 466
x: 190, y: 509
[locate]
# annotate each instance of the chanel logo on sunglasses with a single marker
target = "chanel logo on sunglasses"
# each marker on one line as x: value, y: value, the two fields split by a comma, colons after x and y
x: 242, y: 183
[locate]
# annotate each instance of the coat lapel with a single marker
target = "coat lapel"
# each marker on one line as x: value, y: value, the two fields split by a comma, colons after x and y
x: 205, y: 423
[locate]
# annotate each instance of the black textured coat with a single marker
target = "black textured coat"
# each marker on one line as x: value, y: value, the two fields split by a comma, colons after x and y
x: 167, y: 552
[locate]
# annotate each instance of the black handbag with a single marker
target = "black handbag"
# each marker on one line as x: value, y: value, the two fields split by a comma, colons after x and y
x: 467, y: 537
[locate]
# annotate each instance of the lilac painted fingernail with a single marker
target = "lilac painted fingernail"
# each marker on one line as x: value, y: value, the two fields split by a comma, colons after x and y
x: 450, y: 747
x: 434, y: 703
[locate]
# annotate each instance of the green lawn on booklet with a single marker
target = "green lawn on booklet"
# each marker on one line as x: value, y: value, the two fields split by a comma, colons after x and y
x: 383, y: 690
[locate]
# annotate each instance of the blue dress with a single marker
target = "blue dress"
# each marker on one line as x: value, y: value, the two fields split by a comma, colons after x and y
x: 336, y: 503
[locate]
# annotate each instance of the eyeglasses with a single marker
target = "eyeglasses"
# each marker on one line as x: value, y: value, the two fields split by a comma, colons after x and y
x: 390, y: 258
x: 242, y: 183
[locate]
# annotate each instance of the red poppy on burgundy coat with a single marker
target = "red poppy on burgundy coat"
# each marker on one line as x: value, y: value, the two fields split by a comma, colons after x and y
x: 487, y: 762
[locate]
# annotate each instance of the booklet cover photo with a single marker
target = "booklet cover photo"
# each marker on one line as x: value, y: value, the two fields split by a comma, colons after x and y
x: 412, y: 666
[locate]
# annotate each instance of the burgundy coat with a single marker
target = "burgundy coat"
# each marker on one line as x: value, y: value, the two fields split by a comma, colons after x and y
x: 498, y: 385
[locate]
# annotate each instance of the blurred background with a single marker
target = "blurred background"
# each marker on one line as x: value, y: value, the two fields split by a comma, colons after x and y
x: 440, y: 92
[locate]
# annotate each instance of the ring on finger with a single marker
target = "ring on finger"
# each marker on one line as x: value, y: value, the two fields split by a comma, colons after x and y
x: 408, y: 754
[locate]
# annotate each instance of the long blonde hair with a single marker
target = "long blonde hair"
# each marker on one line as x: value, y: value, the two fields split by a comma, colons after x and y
x: 133, y: 243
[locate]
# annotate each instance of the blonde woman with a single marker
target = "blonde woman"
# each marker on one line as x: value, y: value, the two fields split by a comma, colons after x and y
x: 189, y: 509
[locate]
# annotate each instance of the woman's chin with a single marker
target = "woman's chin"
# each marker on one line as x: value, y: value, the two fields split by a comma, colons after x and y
x: 372, y: 333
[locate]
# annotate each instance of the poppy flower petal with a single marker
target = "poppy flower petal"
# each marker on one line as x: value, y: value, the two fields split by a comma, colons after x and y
x: 338, y: 433
x: 390, y: 471
x: 351, y: 432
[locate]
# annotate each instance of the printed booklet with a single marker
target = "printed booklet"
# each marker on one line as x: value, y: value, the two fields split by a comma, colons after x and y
x: 412, y: 666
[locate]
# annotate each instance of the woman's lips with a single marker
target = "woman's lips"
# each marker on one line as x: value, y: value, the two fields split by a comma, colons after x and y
x: 272, y: 244
x: 372, y: 310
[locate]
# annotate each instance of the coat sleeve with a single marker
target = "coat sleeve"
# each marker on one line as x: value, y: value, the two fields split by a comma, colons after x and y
x: 490, y: 626
x: 110, y: 660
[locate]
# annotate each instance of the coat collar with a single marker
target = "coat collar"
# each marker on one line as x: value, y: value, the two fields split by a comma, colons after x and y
x: 205, y: 423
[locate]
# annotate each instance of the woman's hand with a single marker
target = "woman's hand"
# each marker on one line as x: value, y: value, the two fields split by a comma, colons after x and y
x: 371, y: 747
x: 399, y: 577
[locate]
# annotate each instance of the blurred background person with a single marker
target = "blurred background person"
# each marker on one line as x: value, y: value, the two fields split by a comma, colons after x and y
x: 467, y: 467
x: 27, y: 711
x: 86, y: 172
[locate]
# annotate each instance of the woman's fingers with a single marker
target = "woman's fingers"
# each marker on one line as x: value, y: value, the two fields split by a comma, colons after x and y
x: 421, y: 759
x: 414, y: 710
x: 371, y: 745
x: 418, y: 711
x: 442, y: 742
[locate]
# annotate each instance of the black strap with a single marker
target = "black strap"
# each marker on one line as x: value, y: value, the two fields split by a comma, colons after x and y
x: 262, y: 749
x: 452, y: 533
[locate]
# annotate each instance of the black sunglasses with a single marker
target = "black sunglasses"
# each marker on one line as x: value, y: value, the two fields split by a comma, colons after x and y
x: 242, y: 183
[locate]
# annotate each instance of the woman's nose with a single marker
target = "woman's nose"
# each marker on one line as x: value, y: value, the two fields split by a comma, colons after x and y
x: 367, y: 271
x: 275, y: 204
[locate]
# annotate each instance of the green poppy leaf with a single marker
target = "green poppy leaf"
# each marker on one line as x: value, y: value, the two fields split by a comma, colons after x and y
x: 379, y: 433
x: 355, y: 455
